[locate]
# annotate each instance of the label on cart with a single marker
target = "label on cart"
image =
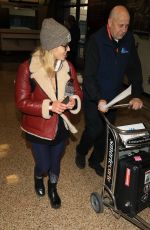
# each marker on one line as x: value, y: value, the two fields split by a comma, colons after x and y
x: 137, y: 158
x: 127, y: 177
x: 147, y: 177
x: 110, y: 160
x: 133, y: 138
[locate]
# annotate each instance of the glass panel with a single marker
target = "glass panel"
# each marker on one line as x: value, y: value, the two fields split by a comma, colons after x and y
x: 73, y: 11
x: 83, y: 30
x: 73, y: 1
x: 69, y: 2
x: 82, y: 21
x: 83, y: 1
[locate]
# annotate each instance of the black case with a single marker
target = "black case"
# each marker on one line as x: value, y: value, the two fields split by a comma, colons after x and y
x: 132, y: 190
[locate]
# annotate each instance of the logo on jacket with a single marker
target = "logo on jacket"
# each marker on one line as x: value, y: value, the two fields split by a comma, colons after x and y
x: 124, y: 50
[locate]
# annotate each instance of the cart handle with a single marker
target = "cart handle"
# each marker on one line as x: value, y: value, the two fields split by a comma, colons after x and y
x: 127, y: 105
x: 124, y: 131
x: 119, y: 106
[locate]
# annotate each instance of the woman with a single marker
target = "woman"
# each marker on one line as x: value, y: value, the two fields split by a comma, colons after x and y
x: 42, y: 84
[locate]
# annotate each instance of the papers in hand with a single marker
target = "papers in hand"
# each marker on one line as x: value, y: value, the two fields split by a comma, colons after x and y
x: 120, y: 97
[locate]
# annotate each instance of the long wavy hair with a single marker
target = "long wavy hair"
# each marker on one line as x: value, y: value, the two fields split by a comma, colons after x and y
x: 47, y: 60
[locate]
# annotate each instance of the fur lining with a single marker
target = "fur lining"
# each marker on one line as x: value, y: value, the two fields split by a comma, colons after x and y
x: 45, y: 109
x: 77, y: 110
x: 44, y: 81
x: 69, y: 125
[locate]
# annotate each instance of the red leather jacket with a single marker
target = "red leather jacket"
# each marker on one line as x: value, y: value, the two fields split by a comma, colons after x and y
x: 34, y: 104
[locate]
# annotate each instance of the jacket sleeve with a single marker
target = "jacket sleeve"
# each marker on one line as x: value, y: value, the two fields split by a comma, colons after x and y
x: 92, y: 60
x: 24, y: 96
x: 134, y: 71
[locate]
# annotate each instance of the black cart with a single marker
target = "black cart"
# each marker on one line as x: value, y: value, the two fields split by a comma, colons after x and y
x: 116, y: 150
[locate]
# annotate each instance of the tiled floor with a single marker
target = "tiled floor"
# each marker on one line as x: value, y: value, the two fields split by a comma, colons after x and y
x: 20, y: 208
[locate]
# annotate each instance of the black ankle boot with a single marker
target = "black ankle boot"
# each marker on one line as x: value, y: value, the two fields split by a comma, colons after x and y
x: 39, y: 186
x: 53, y: 195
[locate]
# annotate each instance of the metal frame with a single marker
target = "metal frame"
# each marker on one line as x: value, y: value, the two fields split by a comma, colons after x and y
x: 110, y: 172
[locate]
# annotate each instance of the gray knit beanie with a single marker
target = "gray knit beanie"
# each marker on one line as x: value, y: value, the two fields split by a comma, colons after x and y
x: 53, y: 34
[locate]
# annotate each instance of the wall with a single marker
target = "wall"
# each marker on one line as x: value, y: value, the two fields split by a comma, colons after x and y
x: 23, y: 14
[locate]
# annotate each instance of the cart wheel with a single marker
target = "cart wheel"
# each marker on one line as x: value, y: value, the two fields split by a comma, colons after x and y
x: 96, y: 202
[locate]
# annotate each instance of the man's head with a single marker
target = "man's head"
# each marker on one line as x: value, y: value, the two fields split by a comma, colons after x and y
x: 118, y: 22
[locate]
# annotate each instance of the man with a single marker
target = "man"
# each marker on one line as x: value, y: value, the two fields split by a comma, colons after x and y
x: 110, y: 54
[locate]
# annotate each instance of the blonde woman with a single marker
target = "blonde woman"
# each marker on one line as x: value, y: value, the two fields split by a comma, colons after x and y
x: 46, y: 92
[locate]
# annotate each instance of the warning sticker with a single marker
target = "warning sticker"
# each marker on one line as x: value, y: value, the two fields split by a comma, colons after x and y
x: 127, y: 177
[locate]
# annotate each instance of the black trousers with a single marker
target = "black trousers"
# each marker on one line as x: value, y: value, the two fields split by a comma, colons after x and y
x: 48, y: 157
x: 94, y: 134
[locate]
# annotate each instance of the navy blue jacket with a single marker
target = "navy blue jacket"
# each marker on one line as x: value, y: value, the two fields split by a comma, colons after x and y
x: 106, y: 64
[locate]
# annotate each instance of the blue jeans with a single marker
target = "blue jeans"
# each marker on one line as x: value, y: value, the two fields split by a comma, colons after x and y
x: 47, y: 157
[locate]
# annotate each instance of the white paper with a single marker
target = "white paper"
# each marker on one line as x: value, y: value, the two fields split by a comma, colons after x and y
x: 131, y: 127
x: 120, y: 97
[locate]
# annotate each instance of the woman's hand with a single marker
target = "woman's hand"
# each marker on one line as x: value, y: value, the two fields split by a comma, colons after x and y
x: 58, y: 107
x: 71, y: 103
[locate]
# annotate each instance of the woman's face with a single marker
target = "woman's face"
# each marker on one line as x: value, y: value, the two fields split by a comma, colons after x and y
x: 60, y: 52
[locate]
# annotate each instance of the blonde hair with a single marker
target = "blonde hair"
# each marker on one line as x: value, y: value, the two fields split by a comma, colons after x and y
x: 47, y: 60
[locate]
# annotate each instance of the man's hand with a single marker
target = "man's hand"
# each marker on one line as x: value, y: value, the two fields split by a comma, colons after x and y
x: 136, y: 103
x: 101, y: 106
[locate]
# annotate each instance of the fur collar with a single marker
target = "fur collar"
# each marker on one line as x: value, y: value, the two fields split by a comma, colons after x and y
x: 44, y: 81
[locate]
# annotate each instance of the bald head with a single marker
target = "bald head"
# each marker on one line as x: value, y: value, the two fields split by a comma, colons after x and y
x: 118, y: 21
x: 119, y: 11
